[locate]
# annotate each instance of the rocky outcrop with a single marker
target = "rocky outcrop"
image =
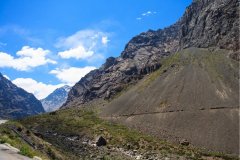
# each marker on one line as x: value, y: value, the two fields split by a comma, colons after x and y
x: 56, y: 99
x: 211, y: 23
x: 16, y: 102
x: 206, y: 23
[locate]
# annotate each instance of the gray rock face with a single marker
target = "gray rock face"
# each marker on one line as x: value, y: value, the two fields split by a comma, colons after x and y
x: 16, y: 102
x: 211, y: 23
x: 205, y: 23
x: 56, y: 99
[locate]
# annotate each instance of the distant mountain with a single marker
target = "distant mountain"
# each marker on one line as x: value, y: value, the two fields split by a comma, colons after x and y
x: 15, y: 102
x: 56, y: 99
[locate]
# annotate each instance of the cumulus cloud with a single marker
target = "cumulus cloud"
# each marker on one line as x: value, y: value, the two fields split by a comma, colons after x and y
x: 39, y: 89
x: 78, y: 53
x: 27, y: 59
x: 83, y: 44
x: 71, y: 75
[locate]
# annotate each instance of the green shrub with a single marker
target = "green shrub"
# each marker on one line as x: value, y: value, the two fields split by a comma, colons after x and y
x: 26, y: 151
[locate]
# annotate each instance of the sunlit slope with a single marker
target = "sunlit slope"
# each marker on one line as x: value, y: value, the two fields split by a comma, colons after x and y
x: 193, y: 96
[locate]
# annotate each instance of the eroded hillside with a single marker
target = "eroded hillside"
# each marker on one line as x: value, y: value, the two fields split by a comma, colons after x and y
x: 193, y: 96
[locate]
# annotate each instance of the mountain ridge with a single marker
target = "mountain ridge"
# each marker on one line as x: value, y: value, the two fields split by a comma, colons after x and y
x: 15, y: 102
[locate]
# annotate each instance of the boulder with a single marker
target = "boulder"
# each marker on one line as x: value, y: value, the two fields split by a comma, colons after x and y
x: 101, y: 141
x: 184, y: 142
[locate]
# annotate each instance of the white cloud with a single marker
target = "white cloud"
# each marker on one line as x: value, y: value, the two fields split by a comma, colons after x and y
x: 6, y: 77
x: 78, y: 53
x: 27, y: 59
x: 83, y: 44
x: 39, y: 89
x: 105, y: 40
x: 71, y: 75
x: 146, y: 14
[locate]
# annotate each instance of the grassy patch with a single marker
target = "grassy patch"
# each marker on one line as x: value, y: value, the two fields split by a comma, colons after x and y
x: 27, y: 151
x: 77, y: 121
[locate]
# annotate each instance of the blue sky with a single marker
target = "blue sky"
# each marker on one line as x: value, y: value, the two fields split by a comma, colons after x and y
x: 45, y: 44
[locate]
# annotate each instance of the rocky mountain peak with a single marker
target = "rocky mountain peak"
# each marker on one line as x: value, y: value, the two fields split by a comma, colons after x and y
x: 55, y: 100
x: 66, y: 88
